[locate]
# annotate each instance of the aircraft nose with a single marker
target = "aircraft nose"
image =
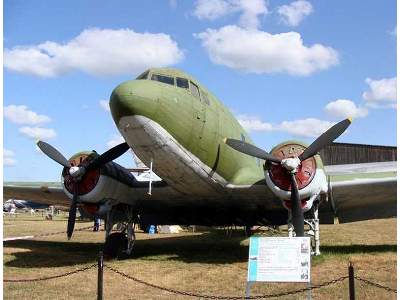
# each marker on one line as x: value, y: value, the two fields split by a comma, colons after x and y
x: 132, y: 98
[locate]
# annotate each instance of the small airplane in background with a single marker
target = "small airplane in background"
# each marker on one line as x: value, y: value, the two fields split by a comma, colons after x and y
x: 211, y: 173
x: 22, y: 204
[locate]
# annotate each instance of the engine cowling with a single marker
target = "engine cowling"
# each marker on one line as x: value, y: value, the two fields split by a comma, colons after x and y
x: 109, y: 182
x: 310, y: 176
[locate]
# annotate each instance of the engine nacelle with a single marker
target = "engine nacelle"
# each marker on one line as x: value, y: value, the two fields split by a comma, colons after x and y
x: 109, y: 182
x: 310, y: 177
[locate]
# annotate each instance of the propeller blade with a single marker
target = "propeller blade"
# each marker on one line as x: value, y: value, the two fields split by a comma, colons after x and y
x: 297, y: 212
x: 251, y: 150
x: 72, y: 213
x: 325, y: 139
x: 109, y: 155
x: 53, y: 153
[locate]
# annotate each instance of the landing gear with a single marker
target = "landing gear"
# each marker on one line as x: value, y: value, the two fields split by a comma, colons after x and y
x: 120, y: 244
x: 312, y: 221
x: 115, y: 245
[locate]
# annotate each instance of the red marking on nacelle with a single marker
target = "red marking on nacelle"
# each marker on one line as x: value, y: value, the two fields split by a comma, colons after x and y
x: 305, y: 172
x: 288, y: 203
x: 89, y: 180
x: 90, y: 208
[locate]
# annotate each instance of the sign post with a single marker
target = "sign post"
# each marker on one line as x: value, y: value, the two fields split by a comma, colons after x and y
x: 279, y: 259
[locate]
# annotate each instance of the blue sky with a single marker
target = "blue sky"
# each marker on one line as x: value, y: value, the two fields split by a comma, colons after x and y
x: 287, y: 69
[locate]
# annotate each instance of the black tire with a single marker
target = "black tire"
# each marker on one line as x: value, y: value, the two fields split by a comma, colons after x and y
x: 115, y: 246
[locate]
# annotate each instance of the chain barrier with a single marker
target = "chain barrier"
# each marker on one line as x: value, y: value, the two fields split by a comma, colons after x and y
x: 203, y: 296
x: 54, y: 276
x: 376, y: 284
x: 61, y: 232
x: 55, y: 233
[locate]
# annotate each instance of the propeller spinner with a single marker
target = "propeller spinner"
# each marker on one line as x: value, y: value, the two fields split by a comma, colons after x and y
x: 78, y: 172
x: 292, y: 164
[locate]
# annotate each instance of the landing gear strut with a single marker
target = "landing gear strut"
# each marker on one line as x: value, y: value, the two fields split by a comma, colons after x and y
x: 312, y: 221
x: 120, y: 244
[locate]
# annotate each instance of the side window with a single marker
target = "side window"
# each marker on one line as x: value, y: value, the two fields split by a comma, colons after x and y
x: 204, y: 97
x: 182, y: 82
x: 143, y: 76
x: 163, y: 79
x: 194, y: 89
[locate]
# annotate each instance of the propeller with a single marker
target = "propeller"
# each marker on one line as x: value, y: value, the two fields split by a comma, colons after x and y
x: 78, y: 172
x: 291, y: 164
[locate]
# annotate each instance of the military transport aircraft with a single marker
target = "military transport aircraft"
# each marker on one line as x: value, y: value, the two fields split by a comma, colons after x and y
x: 211, y: 172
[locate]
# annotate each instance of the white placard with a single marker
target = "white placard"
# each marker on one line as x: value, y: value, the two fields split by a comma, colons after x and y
x: 279, y: 259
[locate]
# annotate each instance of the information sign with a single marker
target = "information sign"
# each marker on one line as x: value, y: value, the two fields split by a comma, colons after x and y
x: 279, y: 259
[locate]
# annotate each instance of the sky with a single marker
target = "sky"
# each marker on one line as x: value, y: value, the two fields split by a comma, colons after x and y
x: 286, y: 69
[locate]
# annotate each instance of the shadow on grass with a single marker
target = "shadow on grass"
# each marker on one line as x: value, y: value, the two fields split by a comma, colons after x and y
x: 353, y: 249
x: 44, y: 254
x: 208, y: 248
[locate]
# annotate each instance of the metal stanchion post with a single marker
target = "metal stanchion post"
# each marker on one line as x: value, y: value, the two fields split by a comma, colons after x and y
x: 100, y: 266
x: 351, y: 282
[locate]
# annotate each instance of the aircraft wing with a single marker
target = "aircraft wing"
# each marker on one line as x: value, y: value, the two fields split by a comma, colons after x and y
x: 363, y: 191
x: 50, y: 193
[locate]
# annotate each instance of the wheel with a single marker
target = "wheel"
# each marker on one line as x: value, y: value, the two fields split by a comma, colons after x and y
x: 116, y: 245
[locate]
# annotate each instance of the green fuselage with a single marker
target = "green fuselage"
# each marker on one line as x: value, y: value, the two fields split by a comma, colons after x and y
x: 198, y: 121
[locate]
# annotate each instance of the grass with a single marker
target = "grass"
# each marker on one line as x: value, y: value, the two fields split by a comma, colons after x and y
x: 207, y: 262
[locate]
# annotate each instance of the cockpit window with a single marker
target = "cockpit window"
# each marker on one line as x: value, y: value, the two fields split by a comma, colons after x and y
x: 143, y: 76
x: 163, y: 79
x: 194, y: 90
x: 182, y: 82
x: 204, y: 98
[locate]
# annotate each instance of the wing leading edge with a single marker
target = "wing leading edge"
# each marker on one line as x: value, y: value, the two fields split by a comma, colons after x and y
x: 363, y: 191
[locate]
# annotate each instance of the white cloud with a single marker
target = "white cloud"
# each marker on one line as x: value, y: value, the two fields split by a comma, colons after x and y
x: 212, y: 9
x: 252, y: 123
x: 38, y: 133
x: 20, y: 114
x: 95, y: 51
x: 295, y: 12
x: 249, y: 10
x: 261, y: 52
x: 303, y: 128
x: 343, y: 108
x: 104, y: 105
x: 115, y: 140
x: 382, y: 93
x: 8, y: 158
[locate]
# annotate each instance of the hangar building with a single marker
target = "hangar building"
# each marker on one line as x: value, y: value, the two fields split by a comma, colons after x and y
x: 346, y: 153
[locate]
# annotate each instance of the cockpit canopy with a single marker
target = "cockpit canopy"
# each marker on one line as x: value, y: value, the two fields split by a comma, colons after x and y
x: 177, y: 81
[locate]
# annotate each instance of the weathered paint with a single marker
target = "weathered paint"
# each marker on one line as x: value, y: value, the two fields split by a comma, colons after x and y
x: 197, y: 126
